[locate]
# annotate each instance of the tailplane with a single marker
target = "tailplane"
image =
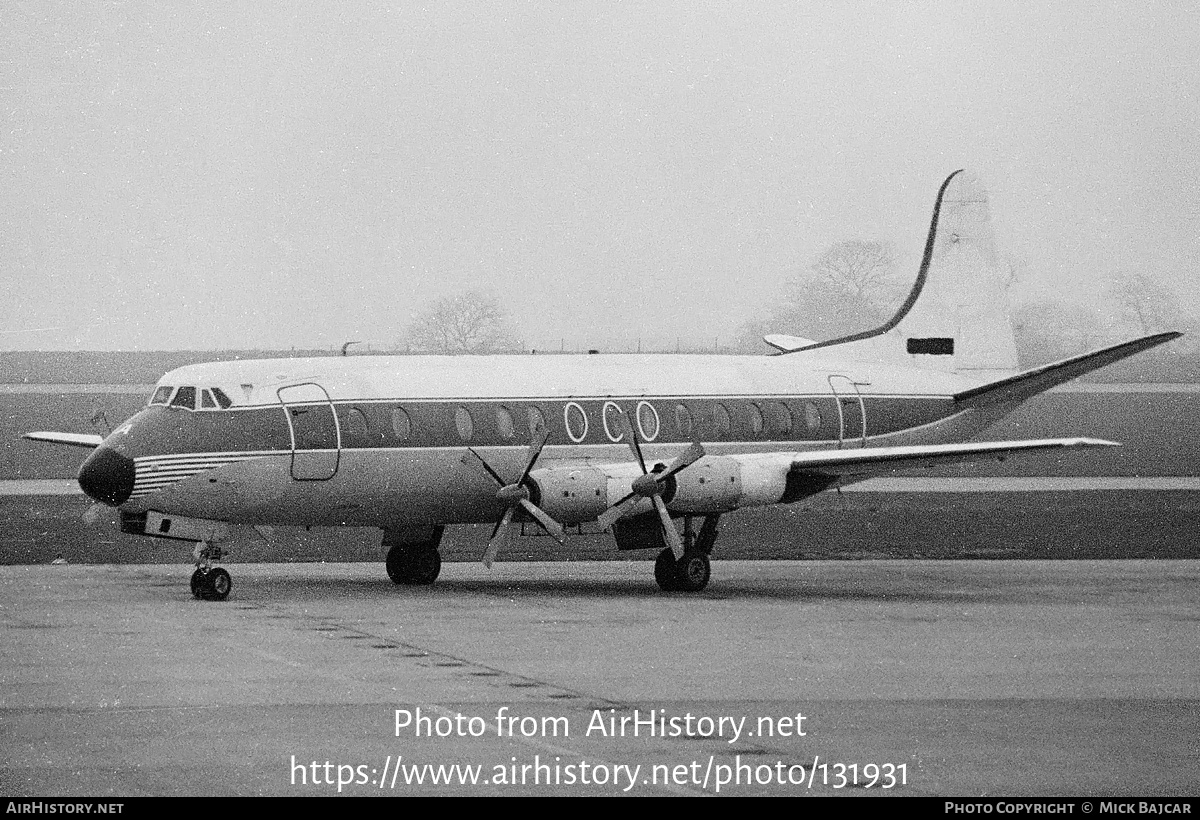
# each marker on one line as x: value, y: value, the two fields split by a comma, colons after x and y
x: 956, y: 315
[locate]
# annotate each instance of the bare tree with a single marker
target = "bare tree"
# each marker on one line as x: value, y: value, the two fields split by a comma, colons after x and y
x: 471, y: 322
x: 851, y: 287
x: 865, y: 269
x: 1144, y: 301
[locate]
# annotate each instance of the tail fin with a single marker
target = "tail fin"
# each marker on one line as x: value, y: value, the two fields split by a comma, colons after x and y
x: 955, y: 316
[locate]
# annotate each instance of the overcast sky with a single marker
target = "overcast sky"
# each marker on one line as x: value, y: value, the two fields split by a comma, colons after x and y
x: 277, y: 174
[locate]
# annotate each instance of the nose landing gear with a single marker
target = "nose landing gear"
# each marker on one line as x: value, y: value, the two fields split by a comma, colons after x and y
x: 210, y: 583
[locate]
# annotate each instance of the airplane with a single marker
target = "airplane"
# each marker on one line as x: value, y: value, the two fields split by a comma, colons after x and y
x: 634, y: 443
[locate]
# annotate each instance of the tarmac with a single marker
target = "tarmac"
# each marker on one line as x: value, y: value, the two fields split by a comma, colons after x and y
x: 856, y: 678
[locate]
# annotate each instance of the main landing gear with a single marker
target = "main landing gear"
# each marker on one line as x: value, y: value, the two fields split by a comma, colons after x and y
x: 210, y: 583
x: 416, y: 563
x: 692, y: 571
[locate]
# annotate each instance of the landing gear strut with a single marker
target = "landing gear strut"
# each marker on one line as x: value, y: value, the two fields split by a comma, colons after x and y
x: 691, y: 572
x: 416, y: 563
x: 210, y: 583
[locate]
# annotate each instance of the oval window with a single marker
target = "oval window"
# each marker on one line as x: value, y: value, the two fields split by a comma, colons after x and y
x: 683, y: 420
x: 647, y: 420
x: 356, y: 423
x: 537, y: 420
x: 812, y: 416
x: 756, y: 420
x: 614, y: 425
x: 783, y: 418
x: 577, y: 422
x: 504, y: 423
x: 401, y: 424
x: 464, y: 423
x: 721, y: 415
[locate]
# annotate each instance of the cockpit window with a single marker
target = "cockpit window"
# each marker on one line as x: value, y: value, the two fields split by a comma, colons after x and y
x: 206, y: 400
x: 161, y: 395
x: 185, y: 397
x: 221, y: 398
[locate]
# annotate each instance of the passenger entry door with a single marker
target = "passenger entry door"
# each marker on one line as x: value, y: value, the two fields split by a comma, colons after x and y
x: 316, y: 440
x: 852, y: 412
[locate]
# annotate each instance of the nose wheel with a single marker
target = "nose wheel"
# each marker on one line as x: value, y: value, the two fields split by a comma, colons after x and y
x: 210, y: 583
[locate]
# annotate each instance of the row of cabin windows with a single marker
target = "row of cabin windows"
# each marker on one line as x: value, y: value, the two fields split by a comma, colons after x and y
x: 774, y: 417
x: 209, y: 398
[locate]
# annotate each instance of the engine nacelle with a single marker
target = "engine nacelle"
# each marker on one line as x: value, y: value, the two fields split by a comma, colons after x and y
x: 714, y: 484
x: 571, y: 495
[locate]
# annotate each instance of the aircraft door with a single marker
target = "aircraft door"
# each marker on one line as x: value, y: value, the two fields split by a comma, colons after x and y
x: 316, y: 440
x: 852, y: 412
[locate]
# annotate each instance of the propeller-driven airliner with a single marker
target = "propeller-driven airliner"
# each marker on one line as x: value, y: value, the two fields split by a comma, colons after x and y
x: 635, y: 444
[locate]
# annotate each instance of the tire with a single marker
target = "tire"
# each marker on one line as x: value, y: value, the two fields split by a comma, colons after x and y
x: 692, y: 572
x: 396, y: 564
x: 197, y: 583
x: 664, y: 571
x: 216, y: 585
x: 424, y: 567
x: 415, y: 565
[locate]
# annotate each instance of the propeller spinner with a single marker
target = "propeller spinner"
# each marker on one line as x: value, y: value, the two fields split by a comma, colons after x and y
x: 513, y: 496
x: 652, y: 485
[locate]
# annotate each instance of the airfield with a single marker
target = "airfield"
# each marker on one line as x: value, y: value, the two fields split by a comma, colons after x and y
x: 1074, y: 671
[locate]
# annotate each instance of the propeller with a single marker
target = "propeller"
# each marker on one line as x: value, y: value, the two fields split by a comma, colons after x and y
x: 651, y: 485
x: 513, y: 496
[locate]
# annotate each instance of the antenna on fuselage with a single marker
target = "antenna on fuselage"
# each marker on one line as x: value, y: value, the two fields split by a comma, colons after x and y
x: 346, y: 347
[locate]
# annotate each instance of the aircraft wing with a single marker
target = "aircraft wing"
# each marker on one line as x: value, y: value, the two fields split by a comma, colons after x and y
x: 71, y: 439
x: 882, y: 460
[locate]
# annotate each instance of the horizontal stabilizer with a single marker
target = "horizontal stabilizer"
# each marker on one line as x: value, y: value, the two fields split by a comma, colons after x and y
x: 787, y: 344
x: 71, y: 439
x: 1024, y: 385
x: 882, y: 460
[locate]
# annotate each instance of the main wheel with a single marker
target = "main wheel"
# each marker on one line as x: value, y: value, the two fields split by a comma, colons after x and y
x: 692, y: 572
x: 216, y: 585
x: 197, y: 583
x: 396, y: 564
x: 413, y: 564
x: 424, y: 567
x: 664, y: 571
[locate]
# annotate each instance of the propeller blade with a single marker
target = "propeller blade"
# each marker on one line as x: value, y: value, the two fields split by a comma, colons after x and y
x: 669, y: 531
x: 685, y: 459
x: 609, y: 517
x: 631, y: 438
x: 474, y: 460
x: 548, y: 524
x: 500, y: 536
x: 535, y: 449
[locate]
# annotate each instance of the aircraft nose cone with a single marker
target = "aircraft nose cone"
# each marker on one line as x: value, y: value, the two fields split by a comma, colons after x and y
x: 107, y: 476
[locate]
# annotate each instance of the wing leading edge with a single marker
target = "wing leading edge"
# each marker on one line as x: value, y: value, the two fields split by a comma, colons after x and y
x: 880, y: 460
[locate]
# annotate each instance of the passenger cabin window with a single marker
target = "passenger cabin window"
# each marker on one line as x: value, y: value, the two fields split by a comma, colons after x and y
x: 401, y: 425
x: 721, y: 415
x: 783, y: 418
x: 356, y: 423
x: 162, y: 395
x: 504, y: 423
x: 537, y: 420
x: 683, y: 420
x: 756, y: 420
x: 185, y: 397
x: 464, y: 423
x: 812, y: 417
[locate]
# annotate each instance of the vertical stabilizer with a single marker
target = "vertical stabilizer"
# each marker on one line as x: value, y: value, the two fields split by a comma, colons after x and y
x: 956, y: 315
x: 963, y: 297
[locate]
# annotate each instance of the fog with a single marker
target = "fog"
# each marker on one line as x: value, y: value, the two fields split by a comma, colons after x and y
x: 278, y: 174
